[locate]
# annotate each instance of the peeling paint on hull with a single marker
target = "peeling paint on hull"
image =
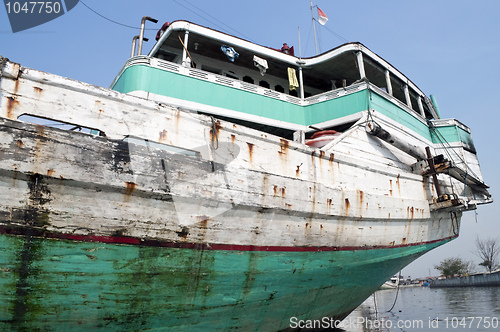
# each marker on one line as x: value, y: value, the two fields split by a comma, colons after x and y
x: 57, y: 285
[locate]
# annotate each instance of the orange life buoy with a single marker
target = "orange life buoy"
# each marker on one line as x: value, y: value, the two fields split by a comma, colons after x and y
x: 323, y: 133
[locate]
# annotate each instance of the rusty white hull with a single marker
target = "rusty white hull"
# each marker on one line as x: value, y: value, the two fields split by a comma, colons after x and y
x: 115, y: 187
x: 170, y: 179
x: 250, y: 188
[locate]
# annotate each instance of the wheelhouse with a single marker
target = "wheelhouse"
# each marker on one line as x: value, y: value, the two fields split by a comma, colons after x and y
x: 266, y: 88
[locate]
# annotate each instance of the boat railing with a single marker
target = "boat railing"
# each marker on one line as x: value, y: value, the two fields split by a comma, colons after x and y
x: 396, y: 101
x: 238, y: 84
x: 216, y: 78
x: 235, y: 83
x: 325, y: 96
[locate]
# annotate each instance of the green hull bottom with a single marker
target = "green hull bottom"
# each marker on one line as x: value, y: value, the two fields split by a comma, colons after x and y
x: 56, y: 285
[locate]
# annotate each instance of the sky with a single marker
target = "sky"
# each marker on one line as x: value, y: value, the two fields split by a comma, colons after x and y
x: 448, y: 48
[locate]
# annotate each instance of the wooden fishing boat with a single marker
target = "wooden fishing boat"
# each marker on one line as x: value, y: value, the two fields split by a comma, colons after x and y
x: 186, y: 197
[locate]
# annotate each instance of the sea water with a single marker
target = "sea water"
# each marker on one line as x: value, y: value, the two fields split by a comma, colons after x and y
x: 427, y: 309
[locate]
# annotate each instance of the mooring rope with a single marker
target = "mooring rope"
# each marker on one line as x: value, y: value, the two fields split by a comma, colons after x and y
x: 397, y: 292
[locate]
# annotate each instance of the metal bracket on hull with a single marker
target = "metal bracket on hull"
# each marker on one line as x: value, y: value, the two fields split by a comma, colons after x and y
x: 444, y: 201
x: 433, y: 173
x: 439, y: 164
x: 447, y: 202
x: 427, y: 166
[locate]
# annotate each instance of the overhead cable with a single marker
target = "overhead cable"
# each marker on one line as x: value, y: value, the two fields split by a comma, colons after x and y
x: 112, y: 21
x: 204, y: 12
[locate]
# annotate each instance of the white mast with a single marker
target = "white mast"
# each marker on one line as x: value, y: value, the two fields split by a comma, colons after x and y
x: 314, y: 28
x: 300, y: 49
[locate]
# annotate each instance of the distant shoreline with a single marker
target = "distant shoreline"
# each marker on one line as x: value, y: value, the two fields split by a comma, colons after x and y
x: 473, y: 280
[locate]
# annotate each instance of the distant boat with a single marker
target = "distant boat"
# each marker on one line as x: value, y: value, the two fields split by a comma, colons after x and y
x: 391, y: 283
x: 186, y: 197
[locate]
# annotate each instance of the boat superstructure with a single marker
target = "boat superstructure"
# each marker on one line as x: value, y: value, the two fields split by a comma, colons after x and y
x: 189, y: 68
x: 193, y: 195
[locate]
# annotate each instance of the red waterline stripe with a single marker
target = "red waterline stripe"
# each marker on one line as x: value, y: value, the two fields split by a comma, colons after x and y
x: 186, y: 245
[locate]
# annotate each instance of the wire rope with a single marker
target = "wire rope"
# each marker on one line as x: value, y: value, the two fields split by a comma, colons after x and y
x: 180, y: 4
x: 112, y: 21
x: 204, y: 12
x: 397, y: 292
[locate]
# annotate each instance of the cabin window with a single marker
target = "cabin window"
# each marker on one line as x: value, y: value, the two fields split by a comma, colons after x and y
x: 211, y: 69
x: 264, y: 84
x: 282, y: 132
x: 232, y: 75
x: 428, y: 114
x: 375, y: 73
x: 162, y: 146
x: 414, y: 101
x: 167, y: 56
x: 59, y: 124
x: 293, y: 93
x: 248, y: 79
x: 398, y: 89
x: 279, y: 88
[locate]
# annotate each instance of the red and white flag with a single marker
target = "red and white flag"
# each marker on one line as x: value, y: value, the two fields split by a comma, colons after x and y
x: 322, y: 19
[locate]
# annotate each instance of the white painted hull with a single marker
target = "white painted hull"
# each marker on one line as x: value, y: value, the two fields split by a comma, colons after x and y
x: 248, y: 188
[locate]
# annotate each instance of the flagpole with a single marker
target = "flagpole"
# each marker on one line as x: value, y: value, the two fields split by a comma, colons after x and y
x: 314, y: 28
x: 300, y: 48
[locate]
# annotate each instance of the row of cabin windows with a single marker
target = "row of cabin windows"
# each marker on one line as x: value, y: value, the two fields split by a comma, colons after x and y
x: 374, y: 72
x: 376, y: 75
